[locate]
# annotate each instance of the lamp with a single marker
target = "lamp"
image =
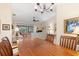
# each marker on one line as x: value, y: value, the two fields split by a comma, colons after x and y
x: 16, y: 30
x: 42, y: 7
x: 76, y: 31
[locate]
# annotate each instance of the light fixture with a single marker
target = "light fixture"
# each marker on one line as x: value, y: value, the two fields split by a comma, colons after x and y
x: 35, y: 19
x: 42, y: 7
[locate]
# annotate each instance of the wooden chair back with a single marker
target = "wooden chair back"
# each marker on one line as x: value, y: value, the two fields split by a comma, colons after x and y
x: 50, y: 37
x: 6, y: 49
x: 3, y: 50
x: 68, y: 42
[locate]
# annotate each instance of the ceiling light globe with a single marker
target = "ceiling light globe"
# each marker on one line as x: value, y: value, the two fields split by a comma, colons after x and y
x: 52, y: 3
x: 38, y: 3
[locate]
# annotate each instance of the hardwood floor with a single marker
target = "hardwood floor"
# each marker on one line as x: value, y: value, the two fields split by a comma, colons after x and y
x: 37, y: 47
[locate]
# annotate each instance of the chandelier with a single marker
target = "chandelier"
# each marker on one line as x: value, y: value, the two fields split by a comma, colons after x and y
x: 42, y: 7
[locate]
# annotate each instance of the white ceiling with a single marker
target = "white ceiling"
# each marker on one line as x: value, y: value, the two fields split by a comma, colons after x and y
x: 25, y: 13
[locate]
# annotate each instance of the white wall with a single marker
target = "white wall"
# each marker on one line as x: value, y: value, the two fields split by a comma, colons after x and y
x: 5, y: 18
x: 51, y: 22
x: 65, y: 11
x: 41, y: 35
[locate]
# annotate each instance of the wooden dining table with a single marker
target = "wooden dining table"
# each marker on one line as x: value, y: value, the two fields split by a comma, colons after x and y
x: 39, y: 47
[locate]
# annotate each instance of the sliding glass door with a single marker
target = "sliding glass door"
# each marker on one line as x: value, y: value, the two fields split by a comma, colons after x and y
x: 26, y: 29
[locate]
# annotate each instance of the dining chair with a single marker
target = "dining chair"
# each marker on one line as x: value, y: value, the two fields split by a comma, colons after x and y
x: 6, y: 48
x: 3, y: 49
x: 50, y: 38
x: 68, y: 42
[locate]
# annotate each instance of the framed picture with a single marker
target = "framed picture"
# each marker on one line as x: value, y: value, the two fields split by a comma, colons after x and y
x: 70, y: 24
x: 5, y: 26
